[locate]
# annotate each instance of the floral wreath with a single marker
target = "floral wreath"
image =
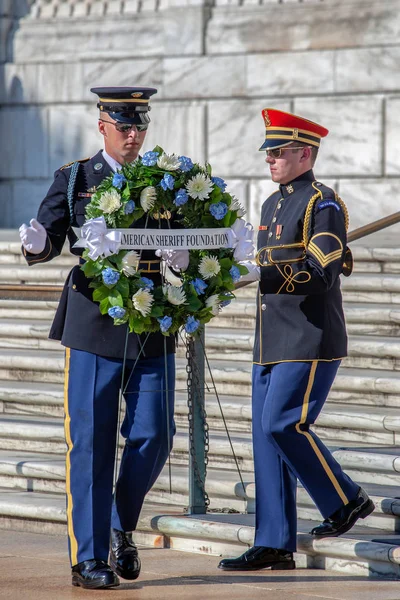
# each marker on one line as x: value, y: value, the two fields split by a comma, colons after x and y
x: 162, y: 186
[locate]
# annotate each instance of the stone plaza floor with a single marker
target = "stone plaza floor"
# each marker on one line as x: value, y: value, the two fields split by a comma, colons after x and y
x: 35, y: 567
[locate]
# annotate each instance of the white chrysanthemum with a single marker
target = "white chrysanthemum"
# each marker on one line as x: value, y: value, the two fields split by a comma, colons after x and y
x: 209, y: 266
x: 169, y: 162
x: 176, y: 295
x: 213, y: 303
x: 148, y: 198
x: 110, y: 202
x: 130, y: 263
x: 142, y: 301
x: 235, y: 205
x: 200, y: 186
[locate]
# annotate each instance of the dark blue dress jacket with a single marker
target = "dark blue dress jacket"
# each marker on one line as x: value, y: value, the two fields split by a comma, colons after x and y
x: 301, y: 250
x: 78, y: 322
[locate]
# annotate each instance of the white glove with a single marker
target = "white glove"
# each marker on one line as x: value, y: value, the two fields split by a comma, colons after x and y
x: 177, y: 259
x: 33, y: 236
x: 254, y: 271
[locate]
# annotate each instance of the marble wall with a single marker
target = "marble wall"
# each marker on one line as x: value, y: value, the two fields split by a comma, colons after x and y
x: 216, y: 64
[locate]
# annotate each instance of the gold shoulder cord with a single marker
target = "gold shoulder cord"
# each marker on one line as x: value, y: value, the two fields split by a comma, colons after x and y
x: 306, y: 231
x: 309, y: 209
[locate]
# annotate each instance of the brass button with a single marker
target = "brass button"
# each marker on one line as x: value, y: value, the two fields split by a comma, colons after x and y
x: 270, y: 234
x: 274, y: 219
x: 74, y: 287
x: 279, y: 205
x: 263, y: 307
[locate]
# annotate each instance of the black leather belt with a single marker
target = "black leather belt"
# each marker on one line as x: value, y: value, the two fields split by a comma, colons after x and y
x: 149, y: 266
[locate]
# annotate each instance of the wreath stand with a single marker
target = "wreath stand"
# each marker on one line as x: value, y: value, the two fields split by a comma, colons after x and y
x: 197, y: 361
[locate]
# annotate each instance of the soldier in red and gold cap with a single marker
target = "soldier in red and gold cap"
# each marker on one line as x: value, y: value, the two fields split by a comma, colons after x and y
x: 300, y: 340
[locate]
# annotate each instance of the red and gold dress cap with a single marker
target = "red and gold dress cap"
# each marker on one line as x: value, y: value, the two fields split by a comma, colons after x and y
x: 125, y: 104
x: 282, y: 128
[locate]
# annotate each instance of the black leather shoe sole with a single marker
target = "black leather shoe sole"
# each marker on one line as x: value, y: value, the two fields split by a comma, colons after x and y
x: 286, y: 565
x: 366, y: 510
x: 122, y: 573
x: 93, y: 584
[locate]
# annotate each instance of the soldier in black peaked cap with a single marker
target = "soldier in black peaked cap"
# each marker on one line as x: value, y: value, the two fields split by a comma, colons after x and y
x: 94, y: 362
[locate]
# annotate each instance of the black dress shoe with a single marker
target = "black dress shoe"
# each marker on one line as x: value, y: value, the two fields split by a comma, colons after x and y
x: 259, y: 557
x: 124, y: 557
x: 343, y: 519
x: 94, y: 574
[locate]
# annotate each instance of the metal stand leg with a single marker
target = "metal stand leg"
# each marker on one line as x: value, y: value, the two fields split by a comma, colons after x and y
x: 198, y: 428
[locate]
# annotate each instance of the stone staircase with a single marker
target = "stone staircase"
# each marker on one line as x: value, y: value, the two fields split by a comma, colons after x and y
x: 360, y: 422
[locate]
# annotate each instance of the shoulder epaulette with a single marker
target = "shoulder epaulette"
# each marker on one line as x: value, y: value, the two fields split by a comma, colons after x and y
x: 81, y: 160
x: 323, y: 190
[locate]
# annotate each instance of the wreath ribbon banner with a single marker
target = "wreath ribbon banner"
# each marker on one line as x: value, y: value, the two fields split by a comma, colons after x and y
x: 104, y: 241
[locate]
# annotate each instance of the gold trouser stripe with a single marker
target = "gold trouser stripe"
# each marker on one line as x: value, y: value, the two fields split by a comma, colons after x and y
x: 67, y: 422
x: 314, y: 446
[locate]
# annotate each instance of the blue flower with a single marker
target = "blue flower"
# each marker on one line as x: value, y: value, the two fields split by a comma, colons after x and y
x: 165, y: 323
x: 167, y: 182
x: 181, y: 197
x: 191, y: 324
x: 118, y: 180
x: 219, y: 182
x: 235, y: 273
x: 110, y: 276
x: 129, y: 207
x: 186, y: 164
x: 150, y: 159
x: 199, y: 285
x: 218, y: 210
x: 116, y: 312
x: 148, y: 283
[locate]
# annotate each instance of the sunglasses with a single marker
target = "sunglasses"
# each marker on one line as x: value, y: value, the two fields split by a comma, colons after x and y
x: 277, y: 152
x: 127, y: 127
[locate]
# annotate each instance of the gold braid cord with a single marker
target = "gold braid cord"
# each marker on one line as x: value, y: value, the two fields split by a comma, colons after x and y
x: 309, y: 211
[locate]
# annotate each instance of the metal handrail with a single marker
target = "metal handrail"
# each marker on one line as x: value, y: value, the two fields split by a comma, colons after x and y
x: 356, y: 234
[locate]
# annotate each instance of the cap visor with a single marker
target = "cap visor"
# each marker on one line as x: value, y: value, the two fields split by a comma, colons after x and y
x: 278, y: 143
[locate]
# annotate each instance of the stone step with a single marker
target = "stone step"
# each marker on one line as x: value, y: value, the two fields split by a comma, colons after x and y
x: 42, y: 310
x: 361, y: 319
x: 365, y: 461
x: 337, y: 422
x: 43, y: 473
x: 362, y: 551
x: 365, y: 352
x: 365, y: 386
x: 34, y: 275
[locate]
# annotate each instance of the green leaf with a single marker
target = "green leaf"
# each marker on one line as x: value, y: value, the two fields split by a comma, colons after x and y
x: 158, y: 149
x: 136, y: 324
x: 227, y: 219
x: 225, y: 263
x: 91, y: 268
x: 100, y: 293
x: 126, y: 193
x: 123, y: 287
x: 115, y: 298
x: 157, y: 311
x: 104, y: 306
x: 194, y: 303
x: 242, y: 269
